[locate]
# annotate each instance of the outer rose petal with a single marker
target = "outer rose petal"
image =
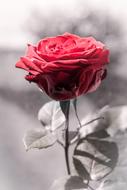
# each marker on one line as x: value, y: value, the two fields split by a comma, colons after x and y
x: 66, y: 66
x: 31, y: 52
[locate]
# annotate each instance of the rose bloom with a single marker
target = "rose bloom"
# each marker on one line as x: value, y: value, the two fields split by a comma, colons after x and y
x: 66, y: 66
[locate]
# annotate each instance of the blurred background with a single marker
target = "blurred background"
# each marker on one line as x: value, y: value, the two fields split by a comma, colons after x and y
x: 28, y: 21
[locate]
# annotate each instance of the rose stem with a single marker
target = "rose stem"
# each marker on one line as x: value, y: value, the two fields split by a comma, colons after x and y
x: 66, y: 148
x: 76, y: 113
x: 65, y: 106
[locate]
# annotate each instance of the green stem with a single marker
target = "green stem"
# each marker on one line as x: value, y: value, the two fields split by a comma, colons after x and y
x: 65, y: 106
x: 66, y: 148
x: 92, y: 121
x: 76, y: 113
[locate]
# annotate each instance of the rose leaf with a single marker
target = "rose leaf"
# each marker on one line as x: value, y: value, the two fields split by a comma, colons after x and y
x: 38, y: 138
x: 51, y: 116
x: 69, y: 183
x: 95, y: 158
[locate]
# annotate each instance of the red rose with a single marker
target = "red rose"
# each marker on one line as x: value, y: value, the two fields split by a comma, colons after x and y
x: 66, y: 66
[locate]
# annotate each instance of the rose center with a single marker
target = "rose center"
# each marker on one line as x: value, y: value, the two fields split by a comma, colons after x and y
x: 55, y: 48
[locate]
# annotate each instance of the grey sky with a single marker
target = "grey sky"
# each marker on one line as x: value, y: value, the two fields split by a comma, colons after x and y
x: 13, y: 14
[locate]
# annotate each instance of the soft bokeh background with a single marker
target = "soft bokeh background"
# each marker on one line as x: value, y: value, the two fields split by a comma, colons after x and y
x: 27, y: 21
